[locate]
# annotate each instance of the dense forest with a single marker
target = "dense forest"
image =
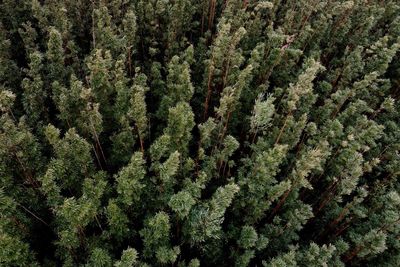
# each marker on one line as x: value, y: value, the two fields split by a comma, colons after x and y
x: 196, y: 133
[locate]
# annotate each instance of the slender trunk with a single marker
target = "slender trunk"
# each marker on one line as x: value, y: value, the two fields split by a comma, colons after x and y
x: 385, y: 227
x: 266, y: 76
x: 130, y: 61
x: 33, y: 214
x: 209, y: 89
x: 69, y: 124
x: 97, y: 157
x: 98, y: 142
x: 282, y: 230
x: 342, y: 229
x: 82, y: 236
x: 341, y: 21
x: 226, y: 72
x: 98, y: 222
x: 335, y: 222
x: 349, y: 256
x: 141, y: 144
x: 225, y: 129
x: 298, y: 148
x: 338, y: 108
x: 93, y: 26
x: 280, y: 203
x: 12, y: 114
x: 224, y: 170
x: 101, y: 150
x: 283, y: 128
x: 20, y: 225
x: 197, y: 157
x: 27, y: 174
x: 327, y: 196
x: 254, y: 136
x: 211, y: 15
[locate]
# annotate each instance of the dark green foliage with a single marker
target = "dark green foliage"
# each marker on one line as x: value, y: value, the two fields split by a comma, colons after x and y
x: 199, y: 133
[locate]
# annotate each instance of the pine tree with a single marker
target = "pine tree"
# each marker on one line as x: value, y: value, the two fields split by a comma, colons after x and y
x: 180, y: 124
x: 188, y: 133
x: 55, y: 56
x: 205, y: 220
x: 100, y: 66
x: 259, y: 181
x: 34, y: 93
x: 137, y: 110
x: 178, y: 85
x: 14, y: 249
x: 156, y: 239
x: 20, y: 151
x: 224, y: 57
x: 72, y: 162
x: 29, y: 36
x: 129, y: 184
x: 128, y: 258
x: 75, y: 214
x: 130, y: 34
x: 179, y: 24
x: 117, y: 220
x: 302, y: 88
x: 99, y: 257
x: 104, y: 34
x: 9, y: 71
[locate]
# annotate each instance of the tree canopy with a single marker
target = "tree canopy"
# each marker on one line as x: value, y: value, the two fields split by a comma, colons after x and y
x: 199, y: 133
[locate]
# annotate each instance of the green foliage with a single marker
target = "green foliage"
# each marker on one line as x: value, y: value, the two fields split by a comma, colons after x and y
x: 262, y: 114
x: 137, y: 110
x: 180, y: 125
x: 199, y: 133
x: 205, y: 220
x: 117, y: 220
x: 72, y: 160
x: 99, y: 257
x: 156, y: 239
x: 55, y: 56
x: 14, y: 250
x: 128, y: 258
x: 181, y: 203
x: 34, y: 93
x: 248, y: 237
x: 129, y: 180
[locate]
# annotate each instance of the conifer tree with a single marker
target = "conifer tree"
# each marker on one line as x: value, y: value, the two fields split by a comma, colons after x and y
x: 15, y: 251
x: 156, y: 239
x: 10, y: 73
x: 205, y: 221
x: 20, y: 151
x: 199, y: 133
x: 137, y: 110
x: 55, y: 56
x: 34, y: 93
x: 129, y: 179
x: 128, y: 258
x: 130, y: 35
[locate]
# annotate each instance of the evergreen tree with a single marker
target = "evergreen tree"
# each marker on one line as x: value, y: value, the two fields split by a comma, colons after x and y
x: 55, y: 56
x: 129, y: 180
x: 199, y: 133
x: 156, y: 239
x: 34, y: 93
